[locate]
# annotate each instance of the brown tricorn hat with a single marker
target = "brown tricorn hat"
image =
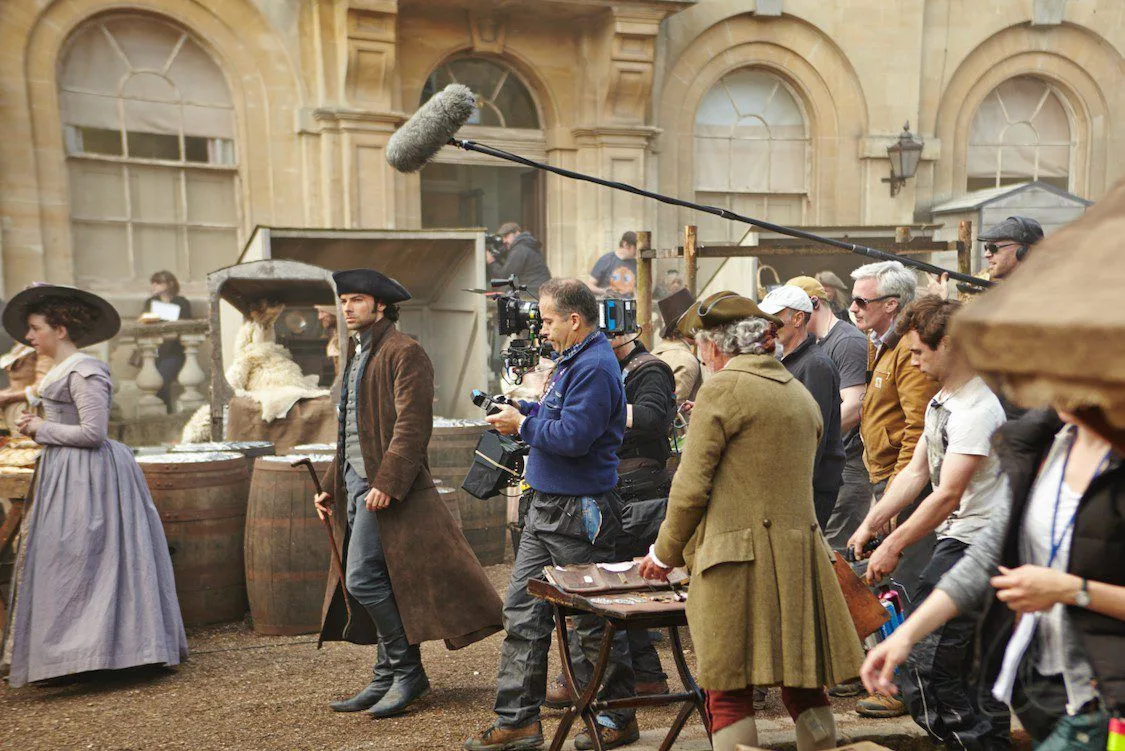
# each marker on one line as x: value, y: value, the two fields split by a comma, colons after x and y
x: 719, y: 309
x: 672, y: 309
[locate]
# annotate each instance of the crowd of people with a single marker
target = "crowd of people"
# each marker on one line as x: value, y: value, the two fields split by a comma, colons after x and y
x: 811, y: 427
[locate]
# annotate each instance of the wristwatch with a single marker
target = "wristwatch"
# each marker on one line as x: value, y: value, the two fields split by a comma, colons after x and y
x: 1082, y: 596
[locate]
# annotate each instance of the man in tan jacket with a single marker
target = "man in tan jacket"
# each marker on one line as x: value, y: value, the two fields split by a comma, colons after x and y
x: 892, y: 414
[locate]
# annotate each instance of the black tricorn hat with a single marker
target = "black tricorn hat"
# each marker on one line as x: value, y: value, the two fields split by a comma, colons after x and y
x: 105, y: 321
x: 370, y: 282
x: 672, y: 309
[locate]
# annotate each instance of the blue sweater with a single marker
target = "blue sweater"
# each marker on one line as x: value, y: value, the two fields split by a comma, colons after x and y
x: 574, y: 433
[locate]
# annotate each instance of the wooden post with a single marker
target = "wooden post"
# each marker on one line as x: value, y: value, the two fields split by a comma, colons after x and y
x: 965, y: 247
x: 644, y: 288
x: 689, y: 259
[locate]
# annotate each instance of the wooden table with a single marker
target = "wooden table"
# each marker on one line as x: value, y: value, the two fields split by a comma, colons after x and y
x: 657, y: 610
x: 14, y: 486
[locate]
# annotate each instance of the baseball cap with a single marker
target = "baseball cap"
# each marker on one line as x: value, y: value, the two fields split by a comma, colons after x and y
x: 1018, y: 229
x: 811, y: 286
x: 786, y: 296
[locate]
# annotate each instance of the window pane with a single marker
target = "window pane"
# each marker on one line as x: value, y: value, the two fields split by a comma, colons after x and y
x: 101, y: 252
x: 210, y: 249
x: 146, y: 43
x: 154, y: 194
x: 97, y: 190
x: 198, y: 77
x: 157, y: 248
x: 98, y: 141
x: 506, y: 101
x: 153, y: 146
x: 91, y: 63
x: 211, y: 198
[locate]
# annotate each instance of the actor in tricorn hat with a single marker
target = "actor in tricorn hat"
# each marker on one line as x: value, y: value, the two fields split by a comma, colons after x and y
x: 740, y: 517
x: 410, y: 574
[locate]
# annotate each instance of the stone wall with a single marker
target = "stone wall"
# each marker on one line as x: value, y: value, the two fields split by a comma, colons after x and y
x: 319, y: 85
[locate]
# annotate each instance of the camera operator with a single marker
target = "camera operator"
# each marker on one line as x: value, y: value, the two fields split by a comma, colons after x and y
x: 650, y: 394
x: 573, y: 517
x: 523, y: 258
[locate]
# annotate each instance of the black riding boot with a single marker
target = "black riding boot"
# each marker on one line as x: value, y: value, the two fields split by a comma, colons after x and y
x: 410, y: 682
x: 370, y: 694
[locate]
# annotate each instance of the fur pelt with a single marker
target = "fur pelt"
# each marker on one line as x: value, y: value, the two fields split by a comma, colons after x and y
x: 261, y: 369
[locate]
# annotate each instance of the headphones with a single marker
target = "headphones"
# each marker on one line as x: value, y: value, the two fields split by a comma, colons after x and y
x: 1026, y: 229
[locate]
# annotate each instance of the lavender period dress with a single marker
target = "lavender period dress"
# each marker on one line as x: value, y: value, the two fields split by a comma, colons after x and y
x: 93, y: 586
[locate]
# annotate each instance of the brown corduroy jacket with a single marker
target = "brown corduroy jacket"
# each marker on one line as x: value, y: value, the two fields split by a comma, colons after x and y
x: 441, y: 590
x: 893, y: 410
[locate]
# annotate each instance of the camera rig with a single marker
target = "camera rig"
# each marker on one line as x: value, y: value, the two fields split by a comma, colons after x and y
x: 516, y: 317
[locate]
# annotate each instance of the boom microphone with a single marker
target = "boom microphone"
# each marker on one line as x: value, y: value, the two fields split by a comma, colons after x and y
x: 434, y: 124
x: 430, y: 128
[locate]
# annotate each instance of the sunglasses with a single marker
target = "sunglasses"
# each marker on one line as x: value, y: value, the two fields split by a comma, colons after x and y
x: 863, y: 302
x: 994, y: 248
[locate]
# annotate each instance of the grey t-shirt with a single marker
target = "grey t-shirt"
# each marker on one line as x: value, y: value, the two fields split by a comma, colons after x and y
x: 963, y: 423
x: 846, y: 346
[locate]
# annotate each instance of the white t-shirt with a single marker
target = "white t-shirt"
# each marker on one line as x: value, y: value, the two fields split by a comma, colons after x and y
x: 962, y: 422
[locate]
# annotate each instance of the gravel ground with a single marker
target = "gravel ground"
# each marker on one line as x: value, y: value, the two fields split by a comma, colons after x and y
x: 243, y: 691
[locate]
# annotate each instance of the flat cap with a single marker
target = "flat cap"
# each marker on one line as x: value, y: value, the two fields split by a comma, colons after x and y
x: 719, y: 309
x: 1017, y: 229
x: 370, y: 282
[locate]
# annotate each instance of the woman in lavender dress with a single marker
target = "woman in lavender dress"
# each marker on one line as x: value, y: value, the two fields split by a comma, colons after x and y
x: 93, y: 586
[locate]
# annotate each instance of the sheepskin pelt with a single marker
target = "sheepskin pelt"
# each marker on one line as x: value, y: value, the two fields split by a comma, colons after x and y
x: 261, y: 369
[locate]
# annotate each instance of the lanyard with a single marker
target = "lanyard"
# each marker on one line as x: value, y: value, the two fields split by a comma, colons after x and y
x: 1056, y: 543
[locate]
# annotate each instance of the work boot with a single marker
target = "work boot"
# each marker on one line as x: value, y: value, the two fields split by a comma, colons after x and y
x: 557, y: 695
x: 496, y: 738
x: 410, y: 682
x: 611, y: 737
x: 370, y: 694
x: 880, y: 706
x: 651, y: 688
x: 854, y: 687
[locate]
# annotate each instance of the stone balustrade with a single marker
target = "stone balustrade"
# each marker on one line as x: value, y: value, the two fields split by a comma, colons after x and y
x: 146, y: 338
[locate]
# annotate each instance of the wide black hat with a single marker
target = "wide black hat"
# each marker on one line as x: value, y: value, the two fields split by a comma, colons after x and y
x: 370, y: 282
x: 105, y: 321
x: 672, y: 309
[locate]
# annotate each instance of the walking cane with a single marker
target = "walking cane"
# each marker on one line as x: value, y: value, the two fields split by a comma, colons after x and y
x: 327, y: 522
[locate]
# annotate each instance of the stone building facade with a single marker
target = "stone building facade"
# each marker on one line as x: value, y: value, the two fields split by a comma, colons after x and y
x: 153, y: 134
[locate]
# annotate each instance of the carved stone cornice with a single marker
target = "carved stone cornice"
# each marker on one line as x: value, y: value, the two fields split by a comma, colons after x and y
x: 339, y: 120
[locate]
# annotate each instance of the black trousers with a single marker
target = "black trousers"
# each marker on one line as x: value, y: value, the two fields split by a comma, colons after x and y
x: 935, y: 683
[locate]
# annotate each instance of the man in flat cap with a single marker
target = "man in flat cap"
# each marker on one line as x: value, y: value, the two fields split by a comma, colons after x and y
x: 741, y: 518
x: 1006, y: 246
x: 410, y: 574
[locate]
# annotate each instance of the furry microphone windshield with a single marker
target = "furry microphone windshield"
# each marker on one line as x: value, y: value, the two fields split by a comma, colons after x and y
x: 430, y: 128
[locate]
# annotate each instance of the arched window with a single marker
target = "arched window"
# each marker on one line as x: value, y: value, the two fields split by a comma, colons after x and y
x: 502, y: 99
x: 1020, y: 132
x: 149, y: 130
x: 751, y: 152
x: 461, y: 190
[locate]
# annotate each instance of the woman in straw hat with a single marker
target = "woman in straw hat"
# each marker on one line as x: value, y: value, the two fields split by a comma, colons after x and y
x: 93, y: 586
x: 765, y: 606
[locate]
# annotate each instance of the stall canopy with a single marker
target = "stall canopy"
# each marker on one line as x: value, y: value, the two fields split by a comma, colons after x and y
x: 1053, y: 333
x: 437, y: 266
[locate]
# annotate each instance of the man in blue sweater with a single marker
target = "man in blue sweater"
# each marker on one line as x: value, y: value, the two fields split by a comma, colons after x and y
x: 573, y: 517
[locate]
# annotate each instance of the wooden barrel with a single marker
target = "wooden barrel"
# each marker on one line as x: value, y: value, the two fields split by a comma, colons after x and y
x: 452, y: 447
x: 315, y: 448
x: 251, y: 450
x: 287, y: 553
x: 202, y: 503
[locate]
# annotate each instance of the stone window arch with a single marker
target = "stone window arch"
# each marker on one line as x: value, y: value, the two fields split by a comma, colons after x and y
x: 752, y: 150
x: 1020, y: 132
x: 149, y: 128
x: 503, y: 100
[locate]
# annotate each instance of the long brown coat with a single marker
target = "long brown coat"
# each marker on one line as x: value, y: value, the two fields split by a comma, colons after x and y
x: 764, y: 605
x: 441, y: 590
